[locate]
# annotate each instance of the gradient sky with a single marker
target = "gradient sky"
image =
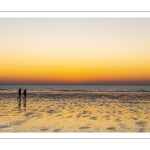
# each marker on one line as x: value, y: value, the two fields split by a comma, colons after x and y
x: 75, y: 50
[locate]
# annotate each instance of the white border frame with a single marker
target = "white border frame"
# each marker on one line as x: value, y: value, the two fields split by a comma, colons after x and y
x: 73, y: 135
x: 72, y: 14
x: 79, y: 135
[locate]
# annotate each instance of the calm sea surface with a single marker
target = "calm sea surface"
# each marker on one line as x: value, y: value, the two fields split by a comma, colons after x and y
x: 103, y: 88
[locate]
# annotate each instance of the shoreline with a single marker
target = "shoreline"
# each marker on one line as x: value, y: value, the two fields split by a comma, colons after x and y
x: 73, y: 91
x: 77, y: 94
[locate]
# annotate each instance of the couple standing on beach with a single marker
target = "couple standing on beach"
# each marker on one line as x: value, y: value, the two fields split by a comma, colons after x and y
x: 24, y: 93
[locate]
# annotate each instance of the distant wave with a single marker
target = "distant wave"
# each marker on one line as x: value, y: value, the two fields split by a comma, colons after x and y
x: 59, y: 90
x: 81, y: 88
x: 72, y: 90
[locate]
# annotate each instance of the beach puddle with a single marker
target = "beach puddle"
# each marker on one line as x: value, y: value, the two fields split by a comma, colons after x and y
x: 78, y: 116
x: 117, y: 120
x: 56, y: 130
x: 44, y: 129
x: 141, y: 123
x: 28, y: 114
x: 18, y: 122
x: 93, y: 118
x: 50, y: 112
x: 111, y: 128
x: 68, y: 116
x: 59, y: 115
x: 84, y: 128
x: 134, y: 118
x: 142, y: 130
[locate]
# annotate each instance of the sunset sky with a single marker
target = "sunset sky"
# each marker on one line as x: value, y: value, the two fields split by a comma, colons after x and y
x: 75, y: 51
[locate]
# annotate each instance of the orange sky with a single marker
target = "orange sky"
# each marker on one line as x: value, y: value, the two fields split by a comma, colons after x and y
x: 66, y: 51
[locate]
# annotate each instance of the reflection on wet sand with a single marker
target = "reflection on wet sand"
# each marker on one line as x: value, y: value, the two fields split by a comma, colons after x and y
x: 24, y: 102
x: 19, y: 103
x: 76, y: 112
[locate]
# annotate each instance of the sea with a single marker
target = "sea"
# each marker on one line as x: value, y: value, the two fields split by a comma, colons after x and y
x: 96, y: 88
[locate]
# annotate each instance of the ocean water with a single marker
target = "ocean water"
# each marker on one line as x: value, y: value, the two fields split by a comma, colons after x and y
x: 97, y: 88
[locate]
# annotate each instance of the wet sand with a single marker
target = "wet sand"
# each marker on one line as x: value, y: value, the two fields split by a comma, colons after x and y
x: 76, y: 111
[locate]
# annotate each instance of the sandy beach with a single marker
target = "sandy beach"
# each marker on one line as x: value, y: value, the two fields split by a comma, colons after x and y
x: 75, y: 111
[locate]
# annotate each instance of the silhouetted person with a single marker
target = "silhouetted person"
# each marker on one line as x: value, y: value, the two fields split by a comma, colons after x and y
x: 19, y: 93
x: 24, y: 93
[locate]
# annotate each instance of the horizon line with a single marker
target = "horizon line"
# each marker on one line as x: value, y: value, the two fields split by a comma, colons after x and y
x: 74, y: 84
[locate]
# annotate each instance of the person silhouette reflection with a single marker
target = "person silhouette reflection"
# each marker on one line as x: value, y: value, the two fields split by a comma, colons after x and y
x: 19, y: 103
x: 24, y: 102
x: 24, y: 98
